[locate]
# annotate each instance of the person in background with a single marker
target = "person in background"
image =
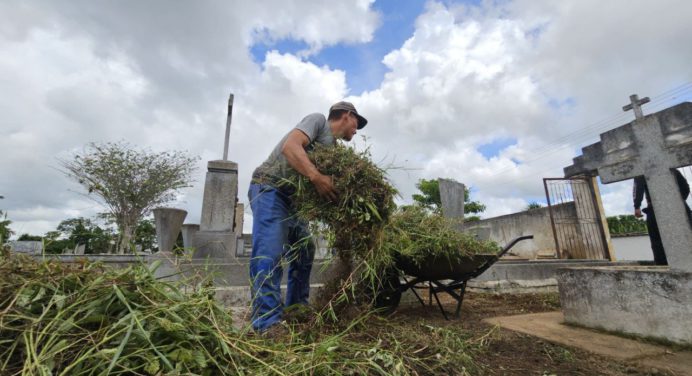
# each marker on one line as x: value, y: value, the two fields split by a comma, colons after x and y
x: 639, y: 191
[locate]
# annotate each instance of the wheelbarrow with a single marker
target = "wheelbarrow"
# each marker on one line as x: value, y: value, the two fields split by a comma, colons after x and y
x: 441, y: 274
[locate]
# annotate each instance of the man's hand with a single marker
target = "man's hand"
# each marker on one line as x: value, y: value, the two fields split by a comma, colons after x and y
x: 638, y: 213
x: 324, y: 186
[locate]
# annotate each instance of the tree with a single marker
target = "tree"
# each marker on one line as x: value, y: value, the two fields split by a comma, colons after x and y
x: 145, y: 235
x: 533, y: 205
x: 24, y: 237
x: 626, y: 224
x: 5, y: 231
x: 430, y: 199
x: 85, y: 231
x: 129, y: 182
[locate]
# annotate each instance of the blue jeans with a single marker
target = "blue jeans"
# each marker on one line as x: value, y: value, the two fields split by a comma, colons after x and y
x: 277, y: 233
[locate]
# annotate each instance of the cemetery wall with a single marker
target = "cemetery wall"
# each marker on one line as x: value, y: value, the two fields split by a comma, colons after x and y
x: 534, y: 222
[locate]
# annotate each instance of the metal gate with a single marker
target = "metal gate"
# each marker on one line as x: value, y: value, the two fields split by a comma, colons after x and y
x: 577, y: 219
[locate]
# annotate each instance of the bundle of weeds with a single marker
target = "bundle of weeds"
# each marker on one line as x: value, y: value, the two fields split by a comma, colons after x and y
x: 354, y: 223
x: 365, y: 198
x: 57, y: 319
x: 416, y: 234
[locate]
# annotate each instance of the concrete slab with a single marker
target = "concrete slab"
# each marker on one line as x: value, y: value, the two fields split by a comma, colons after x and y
x: 649, y: 302
x: 550, y: 327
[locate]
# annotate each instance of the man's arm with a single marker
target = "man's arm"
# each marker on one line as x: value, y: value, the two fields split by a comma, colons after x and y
x: 294, y: 151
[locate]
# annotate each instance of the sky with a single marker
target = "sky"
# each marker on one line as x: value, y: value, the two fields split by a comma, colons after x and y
x: 494, y: 94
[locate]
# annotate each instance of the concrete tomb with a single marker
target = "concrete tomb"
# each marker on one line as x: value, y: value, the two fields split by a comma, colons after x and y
x: 646, y: 301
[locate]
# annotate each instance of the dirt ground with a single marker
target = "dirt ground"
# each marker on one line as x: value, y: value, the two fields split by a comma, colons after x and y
x: 510, y: 353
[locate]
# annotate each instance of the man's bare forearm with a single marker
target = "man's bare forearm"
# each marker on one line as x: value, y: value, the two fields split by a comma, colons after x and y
x: 298, y: 159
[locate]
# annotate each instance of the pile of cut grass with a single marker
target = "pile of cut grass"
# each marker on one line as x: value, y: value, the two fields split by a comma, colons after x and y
x: 416, y: 234
x: 365, y: 198
x: 58, y: 319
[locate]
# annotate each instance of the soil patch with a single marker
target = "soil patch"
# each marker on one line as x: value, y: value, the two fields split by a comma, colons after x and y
x: 504, y: 352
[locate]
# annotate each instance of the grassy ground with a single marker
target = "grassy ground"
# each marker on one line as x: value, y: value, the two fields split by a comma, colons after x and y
x: 83, y: 319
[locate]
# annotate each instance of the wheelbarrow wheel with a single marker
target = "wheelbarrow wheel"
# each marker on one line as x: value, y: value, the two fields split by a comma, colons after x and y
x: 388, y: 295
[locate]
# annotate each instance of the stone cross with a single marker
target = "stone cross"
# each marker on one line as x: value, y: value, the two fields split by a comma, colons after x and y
x: 228, y: 127
x: 635, y: 105
x: 650, y: 146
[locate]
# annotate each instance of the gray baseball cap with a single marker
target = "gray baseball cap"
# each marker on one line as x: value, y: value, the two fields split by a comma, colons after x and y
x: 348, y: 106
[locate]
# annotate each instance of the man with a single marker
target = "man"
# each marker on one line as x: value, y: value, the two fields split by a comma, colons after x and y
x: 639, y: 191
x: 276, y: 232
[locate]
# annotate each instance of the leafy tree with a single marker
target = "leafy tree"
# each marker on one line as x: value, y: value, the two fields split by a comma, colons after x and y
x: 5, y: 231
x: 54, y: 243
x: 85, y: 231
x: 129, y: 182
x: 145, y: 235
x: 24, y: 237
x: 430, y: 199
x: 533, y: 205
x: 626, y: 224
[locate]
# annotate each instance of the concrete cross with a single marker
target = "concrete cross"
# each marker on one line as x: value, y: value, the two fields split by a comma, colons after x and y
x: 636, y: 105
x: 650, y: 147
x: 228, y: 127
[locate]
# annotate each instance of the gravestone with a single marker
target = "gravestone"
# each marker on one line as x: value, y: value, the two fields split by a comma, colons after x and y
x: 189, y: 231
x: 452, y: 198
x: 217, y: 236
x: 168, y: 223
x: 79, y: 249
x: 646, y: 301
x: 650, y: 146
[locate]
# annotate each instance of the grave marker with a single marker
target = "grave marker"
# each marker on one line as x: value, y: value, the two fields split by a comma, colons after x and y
x: 650, y: 146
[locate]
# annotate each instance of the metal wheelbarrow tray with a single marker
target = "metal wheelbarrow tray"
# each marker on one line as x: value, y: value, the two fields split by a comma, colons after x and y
x: 441, y: 274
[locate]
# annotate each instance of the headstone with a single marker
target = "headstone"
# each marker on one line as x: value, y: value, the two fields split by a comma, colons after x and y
x: 189, y: 232
x: 79, y: 249
x: 650, y: 301
x: 239, y: 219
x: 216, y: 237
x: 29, y: 247
x: 650, y: 146
x: 168, y: 224
x: 452, y: 197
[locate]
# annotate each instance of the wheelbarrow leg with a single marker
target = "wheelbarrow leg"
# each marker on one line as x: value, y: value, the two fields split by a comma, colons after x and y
x: 430, y: 292
x: 462, y: 291
x: 413, y: 289
x: 444, y: 313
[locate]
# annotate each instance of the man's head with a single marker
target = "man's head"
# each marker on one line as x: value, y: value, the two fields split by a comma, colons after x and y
x: 345, y: 120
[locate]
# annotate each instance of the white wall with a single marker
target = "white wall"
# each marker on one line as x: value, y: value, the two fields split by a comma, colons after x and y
x: 632, y: 248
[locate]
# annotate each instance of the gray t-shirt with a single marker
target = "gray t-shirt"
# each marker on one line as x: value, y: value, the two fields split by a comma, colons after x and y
x: 276, y: 168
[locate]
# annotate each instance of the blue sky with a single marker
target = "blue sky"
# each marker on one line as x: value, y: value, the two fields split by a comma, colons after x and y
x: 363, y: 61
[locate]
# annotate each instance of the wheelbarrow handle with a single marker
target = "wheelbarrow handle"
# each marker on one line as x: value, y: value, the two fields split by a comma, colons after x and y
x: 512, y: 243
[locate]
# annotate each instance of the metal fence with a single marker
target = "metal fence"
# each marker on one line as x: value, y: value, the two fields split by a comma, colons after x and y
x: 576, y: 218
